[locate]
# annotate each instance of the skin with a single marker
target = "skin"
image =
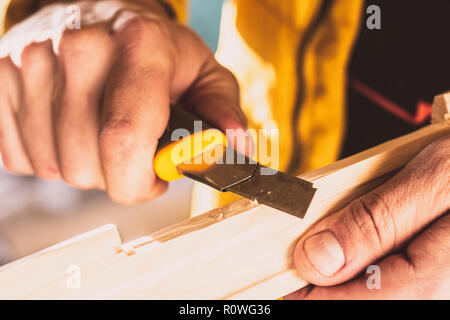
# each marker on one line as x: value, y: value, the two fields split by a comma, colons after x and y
x: 403, y: 227
x: 92, y: 116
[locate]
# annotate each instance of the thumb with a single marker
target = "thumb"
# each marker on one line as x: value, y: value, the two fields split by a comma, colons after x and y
x: 342, y: 245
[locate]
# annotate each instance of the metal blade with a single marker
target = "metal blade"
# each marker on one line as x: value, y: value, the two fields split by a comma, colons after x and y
x: 280, y: 191
x: 255, y: 182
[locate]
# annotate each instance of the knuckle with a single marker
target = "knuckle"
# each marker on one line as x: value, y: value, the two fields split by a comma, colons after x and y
x: 83, y: 46
x: 117, y: 140
x: 441, y: 144
x: 69, y: 47
x: 69, y: 36
x: 439, y: 152
x: 142, y: 34
x: 433, y: 158
x: 7, y: 67
x: 366, y: 218
x: 141, y: 27
x: 34, y: 53
x: 231, y: 80
x: 154, y: 27
x: 229, y: 76
x: 30, y: 51
x: 430, y: 170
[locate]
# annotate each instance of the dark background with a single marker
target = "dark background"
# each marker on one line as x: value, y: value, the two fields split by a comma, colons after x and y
x: 408, y: 60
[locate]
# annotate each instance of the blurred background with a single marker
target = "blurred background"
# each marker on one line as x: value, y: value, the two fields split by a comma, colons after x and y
x: 35, y: 214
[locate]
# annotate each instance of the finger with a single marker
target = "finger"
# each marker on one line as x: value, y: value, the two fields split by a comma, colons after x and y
x: 421, y: 273
x: 207, y: 89
x: 12, y: 150
x: 38, y: 71
x: 429, y: 253
x: 340, y: 246
x: 214, y: 97
x: 396, y: 281
x: 135, y: 111
x: 77, y: 117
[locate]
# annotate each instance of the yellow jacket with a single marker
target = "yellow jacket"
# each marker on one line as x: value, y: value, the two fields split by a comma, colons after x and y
x: 290, y: 57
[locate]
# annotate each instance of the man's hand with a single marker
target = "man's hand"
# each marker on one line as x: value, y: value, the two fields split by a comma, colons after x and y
x: 401, y: 226
x: 92, y: 114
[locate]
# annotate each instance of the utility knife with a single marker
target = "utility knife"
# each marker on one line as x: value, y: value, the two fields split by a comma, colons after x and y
x: 194, y: 149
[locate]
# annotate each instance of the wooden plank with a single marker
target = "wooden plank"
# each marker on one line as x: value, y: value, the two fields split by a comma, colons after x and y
x: 348, y: 173
x: 45, y: 273
x: 240, y: 251
x: 441, y: 108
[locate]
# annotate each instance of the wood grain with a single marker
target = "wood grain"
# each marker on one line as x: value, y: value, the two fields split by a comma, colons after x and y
x: 441, y: 108
x: 240, y: 251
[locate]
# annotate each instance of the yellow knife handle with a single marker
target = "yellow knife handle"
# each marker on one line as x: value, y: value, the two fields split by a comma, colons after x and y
x: 174, y: 150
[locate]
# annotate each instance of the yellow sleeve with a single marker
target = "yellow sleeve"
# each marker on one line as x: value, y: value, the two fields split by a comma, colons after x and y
x: 181, y: 8
x: 3, y: 7
x: 13, y: 11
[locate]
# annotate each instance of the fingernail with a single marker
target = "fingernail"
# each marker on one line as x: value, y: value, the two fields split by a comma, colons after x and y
x: 325, y: 253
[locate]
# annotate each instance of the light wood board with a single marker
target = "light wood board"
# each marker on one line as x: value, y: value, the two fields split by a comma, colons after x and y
x: 240, y: 251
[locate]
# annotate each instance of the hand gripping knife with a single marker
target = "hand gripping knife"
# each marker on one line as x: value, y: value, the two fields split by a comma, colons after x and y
x: 203, y: 153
